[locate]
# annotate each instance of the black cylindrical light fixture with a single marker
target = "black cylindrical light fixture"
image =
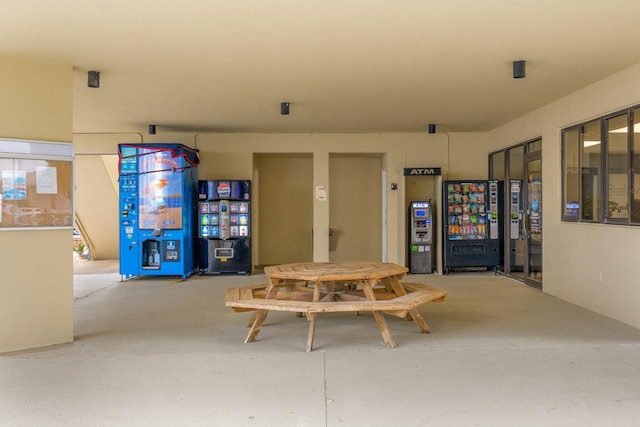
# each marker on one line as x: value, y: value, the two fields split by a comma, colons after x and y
x: 152, y: 129
x: 284, y: 108
x: 94, y: 79
x: 519, y: 69
x: 432, y: 128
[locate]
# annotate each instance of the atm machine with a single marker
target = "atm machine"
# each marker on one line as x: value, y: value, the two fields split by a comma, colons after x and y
x: 421, y: 257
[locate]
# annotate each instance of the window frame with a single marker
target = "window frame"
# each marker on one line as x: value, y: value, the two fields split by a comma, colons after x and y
x: 603, y: 190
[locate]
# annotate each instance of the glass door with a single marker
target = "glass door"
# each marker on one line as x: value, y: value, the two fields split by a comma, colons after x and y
x: 533, y: 220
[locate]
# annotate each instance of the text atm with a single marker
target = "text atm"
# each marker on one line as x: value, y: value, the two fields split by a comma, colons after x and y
x: 421, y: 257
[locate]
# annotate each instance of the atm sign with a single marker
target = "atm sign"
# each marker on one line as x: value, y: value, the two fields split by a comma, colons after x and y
x: 224, y: 189
x: 422, y: 171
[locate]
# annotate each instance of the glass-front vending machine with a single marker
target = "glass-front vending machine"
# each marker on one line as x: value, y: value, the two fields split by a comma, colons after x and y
x: 420, y: 238
x: 157, y: 184
x: 224, y: 227
x: 473, y: 227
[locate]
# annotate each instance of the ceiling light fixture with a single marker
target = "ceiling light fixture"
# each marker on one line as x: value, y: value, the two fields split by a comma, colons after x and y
x: 284, y: 108
x: 519, y: 69
x: 94, y: 79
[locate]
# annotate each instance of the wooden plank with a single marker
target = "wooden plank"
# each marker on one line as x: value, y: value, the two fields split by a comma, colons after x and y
x: 271, y: 304
x: 411, y: 287
x: 335, y: 271
x: 247, y: 292
x: 233, y: 294
x: 405, y: 302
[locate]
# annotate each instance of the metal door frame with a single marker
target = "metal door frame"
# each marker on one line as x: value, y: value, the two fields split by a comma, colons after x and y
x: 528, y: 280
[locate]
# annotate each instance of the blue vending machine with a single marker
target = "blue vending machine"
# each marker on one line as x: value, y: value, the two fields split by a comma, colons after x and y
x: 158, y: 209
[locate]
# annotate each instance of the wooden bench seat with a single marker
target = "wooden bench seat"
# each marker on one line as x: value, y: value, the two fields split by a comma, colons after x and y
x: 417, y: 294
x: 269, y: 304
x: 252, y: 298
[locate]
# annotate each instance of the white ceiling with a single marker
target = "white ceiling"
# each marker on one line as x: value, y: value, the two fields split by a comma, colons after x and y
x: 345, y: 66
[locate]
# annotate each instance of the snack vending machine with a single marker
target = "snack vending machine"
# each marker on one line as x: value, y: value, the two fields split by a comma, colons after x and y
x: 472, y: 231
x: 420, y: 238
x: 157, y: 185
x: 224, y: 227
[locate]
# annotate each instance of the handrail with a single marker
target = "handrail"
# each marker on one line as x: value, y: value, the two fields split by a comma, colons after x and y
x: 83, y: 232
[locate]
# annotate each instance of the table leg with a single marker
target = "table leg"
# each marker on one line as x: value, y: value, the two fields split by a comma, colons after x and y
x: 252, y: 319
x: 367, y: 287
x: 259, y: 315
x: 419, y: 321
x: 316, y: 291
x: 312, y: 329
x: 393, y: 283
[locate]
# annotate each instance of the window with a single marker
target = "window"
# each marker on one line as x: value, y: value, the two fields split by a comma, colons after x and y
x: 571, y: 174
x: 591, y: 176
x: 635, y: 167
x: 617, y: 190
x: 601, y: 170
x: 496, y: 165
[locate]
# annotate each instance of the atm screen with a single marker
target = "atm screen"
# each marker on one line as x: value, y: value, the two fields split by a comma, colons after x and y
x: 420, y: 213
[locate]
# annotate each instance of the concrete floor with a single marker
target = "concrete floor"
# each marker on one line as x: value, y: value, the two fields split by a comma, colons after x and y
x: 166, y: 352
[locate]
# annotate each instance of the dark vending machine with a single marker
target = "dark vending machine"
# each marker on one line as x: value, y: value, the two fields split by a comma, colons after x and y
x: 157, y: 209
x: 224, y: 220
x: 472, y: 230
x: 420, y: 238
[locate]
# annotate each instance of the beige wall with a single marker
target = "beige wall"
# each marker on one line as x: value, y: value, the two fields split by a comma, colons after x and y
x: 231, y: 156
x: 36, y: 289
x: 96, y: 177
x: 592, y: 265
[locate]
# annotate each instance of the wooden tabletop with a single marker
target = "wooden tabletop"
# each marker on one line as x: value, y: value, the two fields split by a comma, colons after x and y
x: 335, y: 271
